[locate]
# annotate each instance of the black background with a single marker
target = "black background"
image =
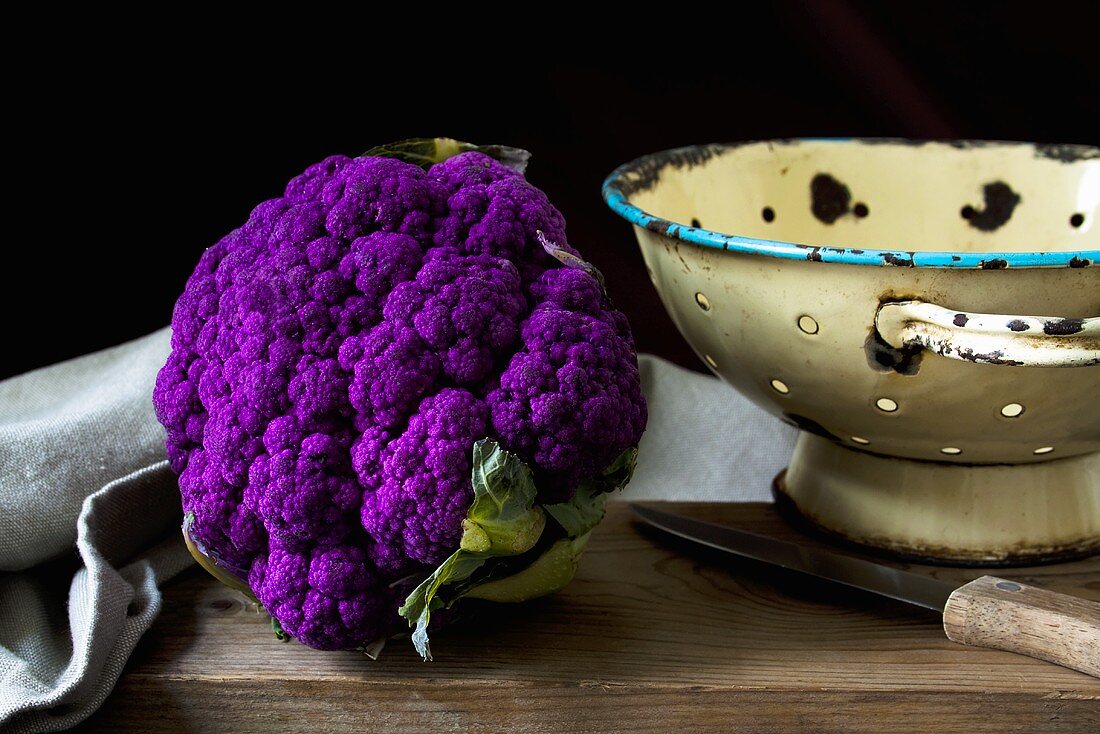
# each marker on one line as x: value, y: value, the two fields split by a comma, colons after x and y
x: 137, y: 146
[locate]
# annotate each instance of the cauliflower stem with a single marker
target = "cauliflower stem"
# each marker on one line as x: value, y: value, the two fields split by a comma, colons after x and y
x: 503, y: 521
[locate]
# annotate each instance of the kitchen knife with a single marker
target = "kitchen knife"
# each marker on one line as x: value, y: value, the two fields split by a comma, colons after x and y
x: 987, y: 612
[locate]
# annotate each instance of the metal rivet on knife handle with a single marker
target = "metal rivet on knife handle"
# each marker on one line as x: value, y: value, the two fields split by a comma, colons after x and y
x: 992, y: 612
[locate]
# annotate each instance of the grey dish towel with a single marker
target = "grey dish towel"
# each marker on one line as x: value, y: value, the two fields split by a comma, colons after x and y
x: 82, y: 467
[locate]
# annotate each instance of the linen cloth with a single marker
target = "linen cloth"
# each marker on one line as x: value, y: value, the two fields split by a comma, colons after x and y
x: 82, y: 467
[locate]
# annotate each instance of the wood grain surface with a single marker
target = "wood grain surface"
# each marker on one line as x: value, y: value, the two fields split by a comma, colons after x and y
x: 994, y: 612
x: 654, y: 635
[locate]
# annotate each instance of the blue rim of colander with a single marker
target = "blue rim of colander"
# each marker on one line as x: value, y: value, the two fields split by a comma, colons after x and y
x: 620, y: 204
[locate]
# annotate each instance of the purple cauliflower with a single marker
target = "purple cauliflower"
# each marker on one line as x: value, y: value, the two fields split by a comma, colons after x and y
x: 336, y: 359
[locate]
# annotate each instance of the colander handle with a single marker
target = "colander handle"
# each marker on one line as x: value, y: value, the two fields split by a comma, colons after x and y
x: 1020, y: 341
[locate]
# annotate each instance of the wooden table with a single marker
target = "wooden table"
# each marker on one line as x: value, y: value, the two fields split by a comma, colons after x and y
x: 652, y: 636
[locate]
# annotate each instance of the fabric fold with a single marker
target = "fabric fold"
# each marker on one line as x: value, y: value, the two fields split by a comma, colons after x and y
x: 56, y: 669
x: 89, y: 529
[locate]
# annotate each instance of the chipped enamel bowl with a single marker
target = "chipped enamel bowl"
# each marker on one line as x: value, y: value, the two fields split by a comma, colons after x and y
x: 926, y: 313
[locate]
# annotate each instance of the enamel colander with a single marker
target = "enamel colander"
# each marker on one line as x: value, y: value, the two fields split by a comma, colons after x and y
x: 928, y: 313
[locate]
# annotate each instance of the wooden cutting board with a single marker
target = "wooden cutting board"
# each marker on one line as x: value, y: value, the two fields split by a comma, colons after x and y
x: 652, y: 636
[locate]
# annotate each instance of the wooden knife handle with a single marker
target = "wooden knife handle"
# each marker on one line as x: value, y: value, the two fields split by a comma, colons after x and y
x: 1008, y: 615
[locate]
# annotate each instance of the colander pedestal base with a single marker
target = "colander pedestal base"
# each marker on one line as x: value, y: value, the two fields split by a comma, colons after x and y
x: 947, y: 513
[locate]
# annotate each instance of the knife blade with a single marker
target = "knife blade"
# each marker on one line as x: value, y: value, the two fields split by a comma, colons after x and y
x: 987, y: 612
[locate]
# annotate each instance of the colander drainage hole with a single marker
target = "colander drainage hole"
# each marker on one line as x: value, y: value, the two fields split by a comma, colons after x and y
x: 1012, y: 410
x: 702, y: 300
x: 768, y: 214
x: 710, y: 360
x: 807, y: 324
x: 1043, y: 450
x: 951, y: 451
x: 860, y: 210
x: 696, y: 223
x: 780, y: 387
x: 860, y: 440
x: 1077, y: 220
x: 886, y: 405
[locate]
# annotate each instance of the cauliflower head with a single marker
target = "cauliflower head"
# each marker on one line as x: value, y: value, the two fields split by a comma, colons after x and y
x: 336, y: 360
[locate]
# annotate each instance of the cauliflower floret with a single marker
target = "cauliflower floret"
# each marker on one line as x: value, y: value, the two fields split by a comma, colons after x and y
x: 570, y: 399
